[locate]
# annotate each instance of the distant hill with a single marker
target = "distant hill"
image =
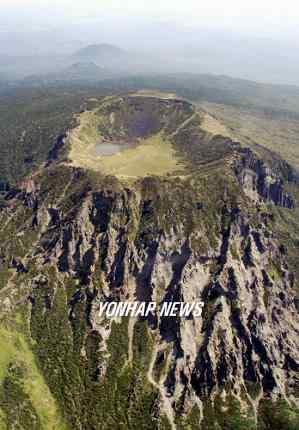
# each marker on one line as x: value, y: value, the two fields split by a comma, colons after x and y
x: 110, y: 57
x: 99, y: 51
x: 86, y: 70
x: 76, y: 72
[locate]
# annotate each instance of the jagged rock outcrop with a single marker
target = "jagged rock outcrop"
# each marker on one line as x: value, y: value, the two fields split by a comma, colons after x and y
x: 248, y: 333
x: 207, y: 236
x: 260, y: 181
x: 55, y: 152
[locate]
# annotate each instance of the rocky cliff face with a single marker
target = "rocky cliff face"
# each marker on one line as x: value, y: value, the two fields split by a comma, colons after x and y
x: 260, y: 181
x: 201, y: 237
x: 114, y: 245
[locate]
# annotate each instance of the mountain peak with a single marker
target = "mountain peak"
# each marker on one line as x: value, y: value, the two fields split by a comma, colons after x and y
x: 98, y: 50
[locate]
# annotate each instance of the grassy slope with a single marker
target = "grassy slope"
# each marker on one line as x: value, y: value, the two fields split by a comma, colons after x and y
x: 15, y: 350
x: 279, y: 134
x: 212, y: 125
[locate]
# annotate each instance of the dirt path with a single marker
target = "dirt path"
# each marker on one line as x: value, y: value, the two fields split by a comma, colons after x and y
x: 131, y: 325
x: 63, y: 194
x: 166, y: 403
x: 255, y: 404
x: 186, y: 122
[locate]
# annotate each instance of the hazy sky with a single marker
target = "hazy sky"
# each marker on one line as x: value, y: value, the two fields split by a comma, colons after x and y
x: 267, y: 17
x: 252, y: 39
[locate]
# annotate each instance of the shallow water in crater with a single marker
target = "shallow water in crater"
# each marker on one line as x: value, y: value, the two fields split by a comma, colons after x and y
x: 109, y: 148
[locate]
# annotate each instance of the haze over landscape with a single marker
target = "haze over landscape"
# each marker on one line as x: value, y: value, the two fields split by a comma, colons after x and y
x: 257, y: 41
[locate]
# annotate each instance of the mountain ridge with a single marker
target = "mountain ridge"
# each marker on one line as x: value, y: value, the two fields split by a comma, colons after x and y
x: 73, y: 237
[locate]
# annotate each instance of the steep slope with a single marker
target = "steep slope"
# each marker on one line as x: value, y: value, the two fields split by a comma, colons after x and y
x: 212, y: 231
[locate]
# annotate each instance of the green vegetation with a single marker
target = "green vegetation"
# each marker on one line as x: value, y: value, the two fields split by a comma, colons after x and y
x: 135, y: 123
x: 253, y: 389
x: 277, y: 416
x: 15, y: 402
x: 24, y: 395
x: 32, y: 118
x: 52, y: 334
x: 117, y: 398
x: 252, y: 127
x: 226, y: 414
x: 191, y: 421
x: 56, y: 371
x: 234, y: 252
x: 31, y: 121
x: 286, y: 225
x: 155, y: 156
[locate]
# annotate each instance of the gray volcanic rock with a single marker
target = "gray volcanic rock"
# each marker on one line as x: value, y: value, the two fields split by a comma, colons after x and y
x: 207, y: 236
x: 257, y: 178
